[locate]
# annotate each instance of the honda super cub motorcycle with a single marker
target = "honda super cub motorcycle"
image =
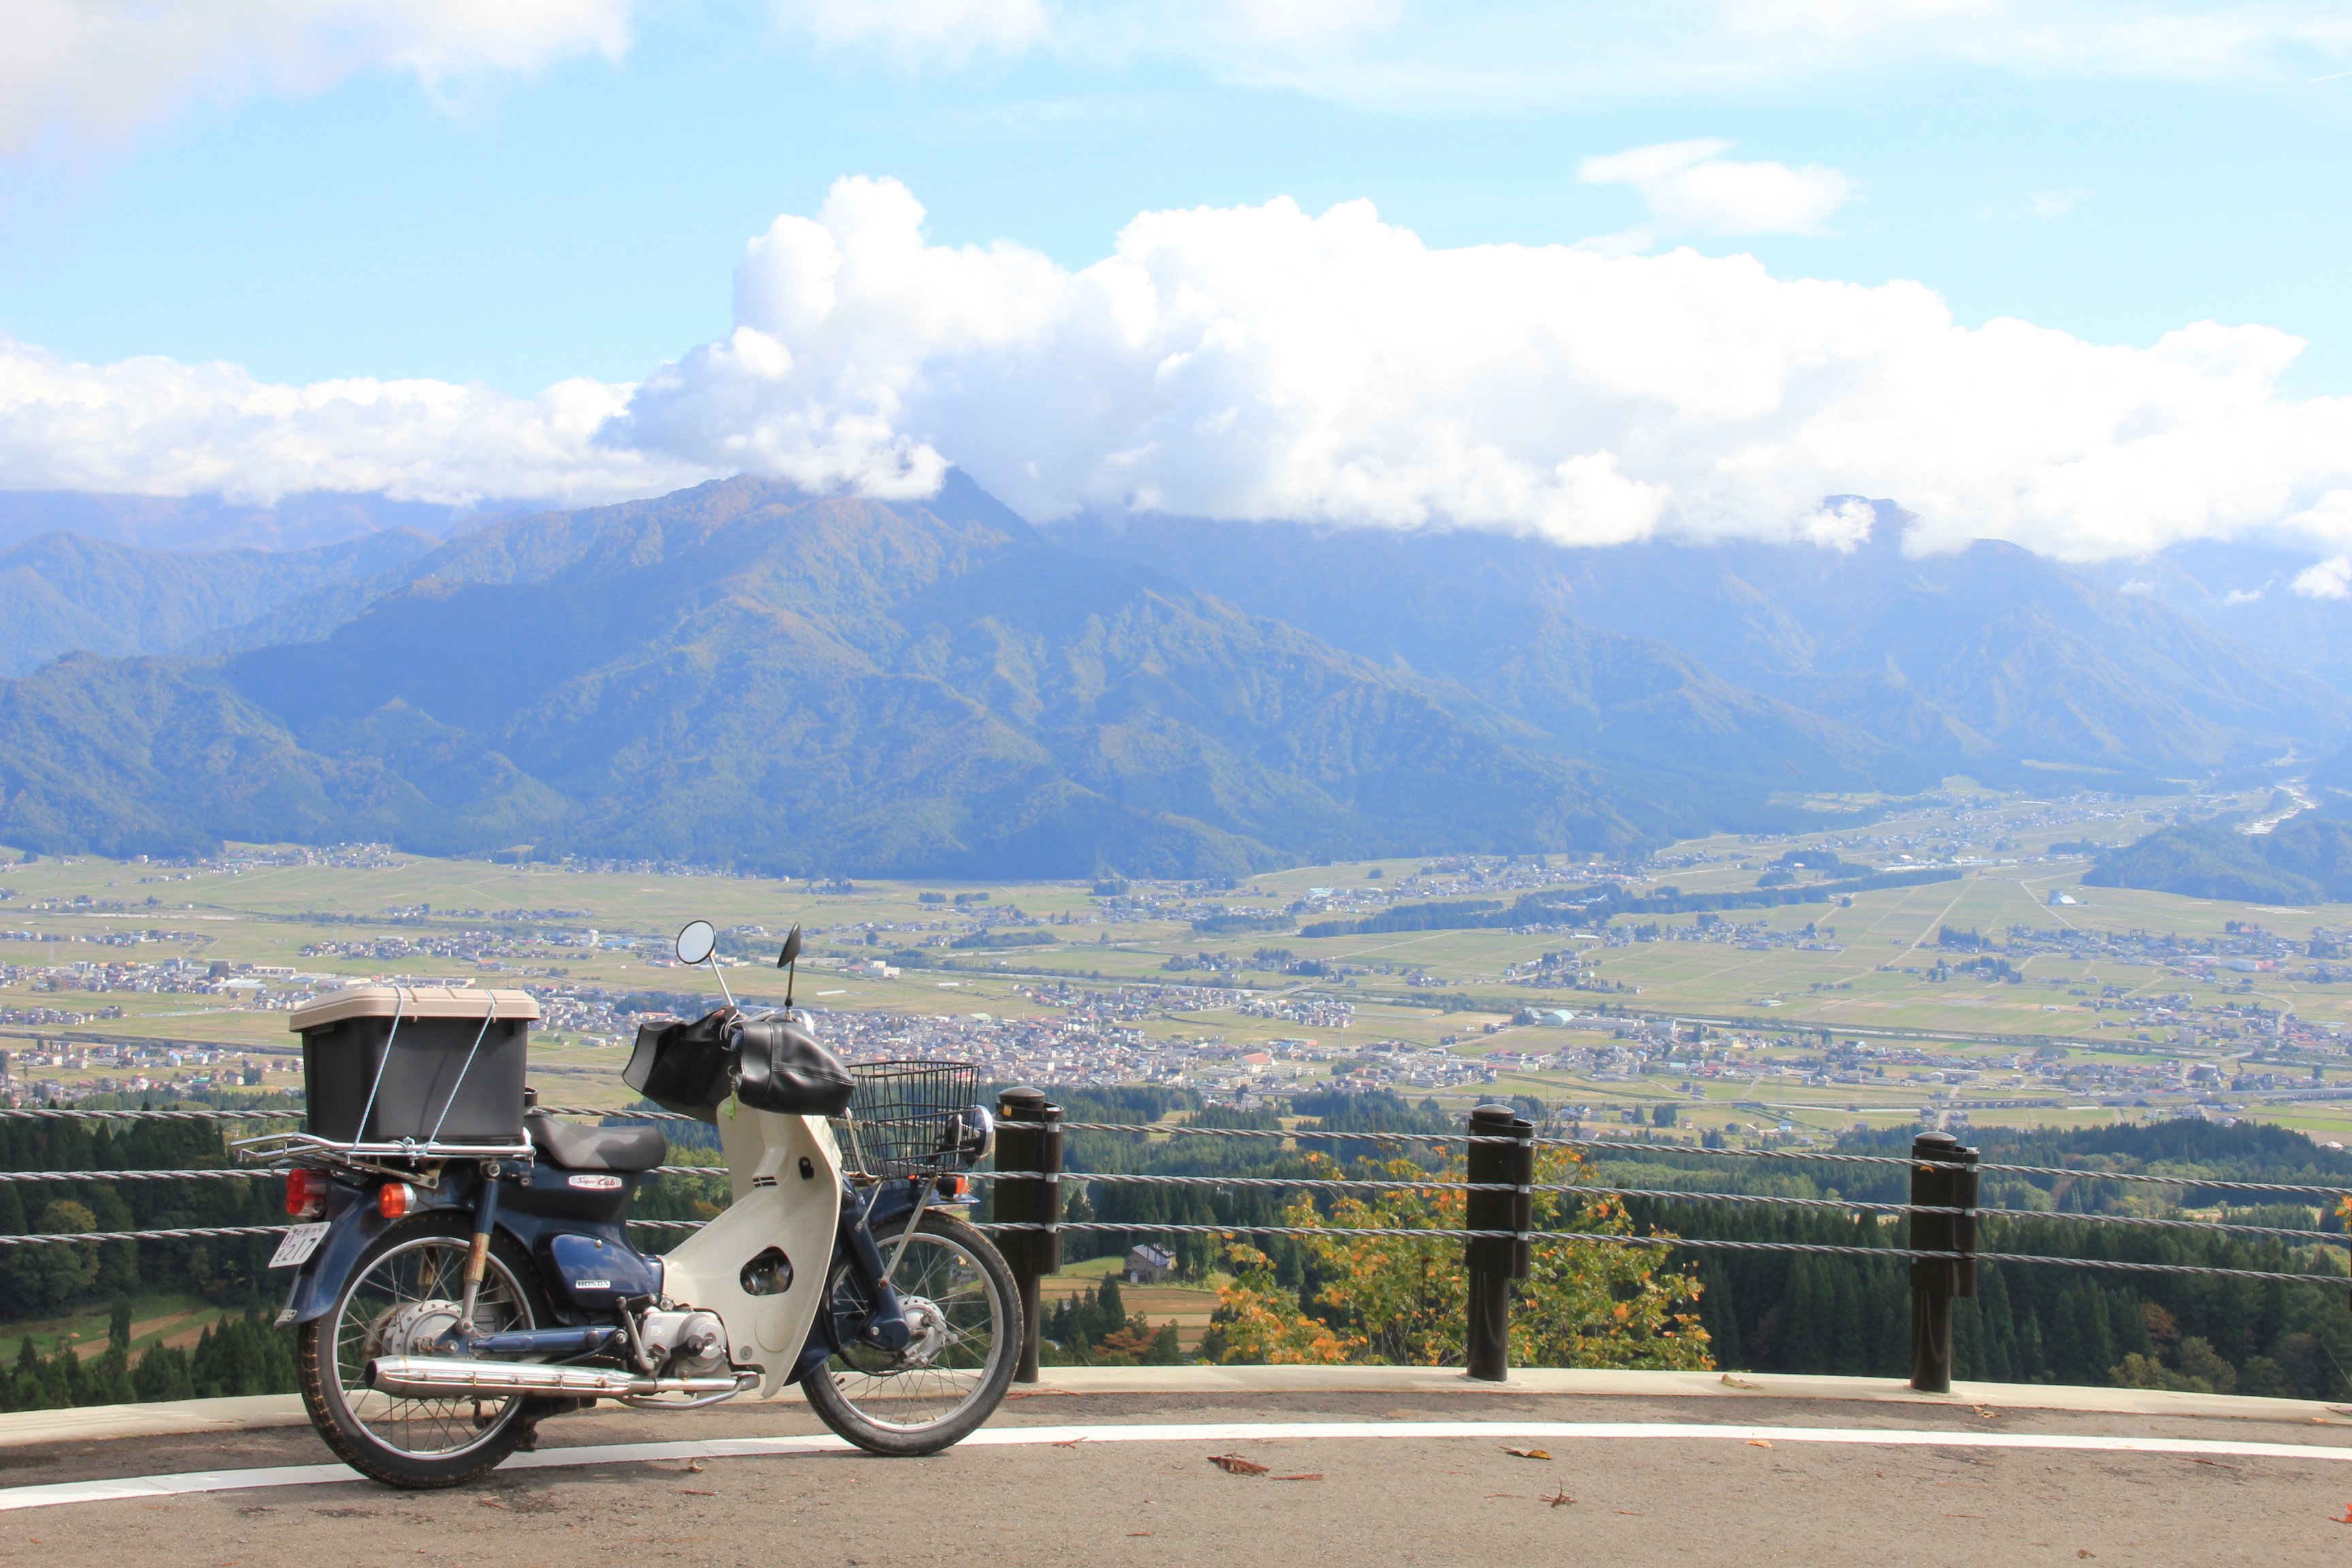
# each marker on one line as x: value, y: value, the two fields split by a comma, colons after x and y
x: 464, y: 1267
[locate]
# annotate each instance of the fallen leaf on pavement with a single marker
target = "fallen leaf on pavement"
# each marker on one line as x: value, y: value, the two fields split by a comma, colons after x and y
x: 2084, y: 1551
x: 1986, y: 1412
x: 2348, y: 1514
x: 1234, y: 1465
x: 1316, y: 1476
x: 694, y: 1465
x: 1558, y: 1500
x: 1759, y: 1443
x: 1069, y: 1443
x: 1528, y: 1453
x: 689, y: 1491
x: 1731, y: 1381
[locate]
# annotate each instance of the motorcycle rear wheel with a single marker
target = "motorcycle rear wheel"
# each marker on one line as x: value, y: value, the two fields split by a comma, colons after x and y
x: 415, y: 1444
x: 966, y: 1311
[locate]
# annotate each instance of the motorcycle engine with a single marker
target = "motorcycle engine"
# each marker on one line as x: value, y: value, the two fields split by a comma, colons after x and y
x: 687, y: 1344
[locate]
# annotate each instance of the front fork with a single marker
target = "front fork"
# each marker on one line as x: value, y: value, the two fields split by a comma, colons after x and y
x: 887, y: 1327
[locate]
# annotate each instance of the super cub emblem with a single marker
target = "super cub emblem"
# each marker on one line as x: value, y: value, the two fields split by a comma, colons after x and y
x: 597, y: 1184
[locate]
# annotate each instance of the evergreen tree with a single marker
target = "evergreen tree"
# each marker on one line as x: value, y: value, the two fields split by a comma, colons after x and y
x: 1111, y: 1307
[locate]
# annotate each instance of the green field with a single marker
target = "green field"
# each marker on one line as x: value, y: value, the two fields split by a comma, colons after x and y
x: 250, y: 908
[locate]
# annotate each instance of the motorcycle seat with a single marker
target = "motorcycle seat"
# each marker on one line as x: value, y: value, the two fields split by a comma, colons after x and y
x: 576, y: 1148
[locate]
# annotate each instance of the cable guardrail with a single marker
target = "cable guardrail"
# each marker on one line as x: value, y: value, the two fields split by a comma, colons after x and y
x: 1498, y: 1188
x: 1820, y: 1156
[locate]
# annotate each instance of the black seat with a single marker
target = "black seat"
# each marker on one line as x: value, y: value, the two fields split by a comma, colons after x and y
x: 577, y: 1148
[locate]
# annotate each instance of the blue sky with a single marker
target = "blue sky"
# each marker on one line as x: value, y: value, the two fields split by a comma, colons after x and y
x: 583, y: 219
x: 364, y: 197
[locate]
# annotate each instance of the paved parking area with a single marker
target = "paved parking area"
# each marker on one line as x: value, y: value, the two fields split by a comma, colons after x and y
x: 1064, y: 1497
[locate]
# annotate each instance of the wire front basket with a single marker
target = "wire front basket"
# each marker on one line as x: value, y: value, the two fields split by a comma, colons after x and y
x: 902, y: 1115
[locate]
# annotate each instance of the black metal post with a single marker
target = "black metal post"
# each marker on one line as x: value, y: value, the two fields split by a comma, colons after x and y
x: 1937, y: 1282
x: 1493, y: 1262
x: 1029, y: 1138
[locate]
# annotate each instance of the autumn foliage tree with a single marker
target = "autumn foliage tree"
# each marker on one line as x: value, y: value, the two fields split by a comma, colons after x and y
x: 1400, y: 1300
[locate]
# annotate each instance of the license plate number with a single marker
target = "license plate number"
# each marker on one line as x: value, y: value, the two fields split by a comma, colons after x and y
x: 301, y: 1242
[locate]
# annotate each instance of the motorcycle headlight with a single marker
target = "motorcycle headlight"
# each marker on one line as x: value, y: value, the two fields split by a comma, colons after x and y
x: 975, y: 1133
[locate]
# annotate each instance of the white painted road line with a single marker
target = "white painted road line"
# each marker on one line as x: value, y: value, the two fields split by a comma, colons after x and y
x: 133, y: 1487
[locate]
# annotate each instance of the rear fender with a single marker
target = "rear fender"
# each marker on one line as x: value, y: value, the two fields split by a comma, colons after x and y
x: 353, y: 1213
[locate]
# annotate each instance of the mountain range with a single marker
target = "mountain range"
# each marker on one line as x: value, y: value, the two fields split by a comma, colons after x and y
x: 1992, y: 660
x: 741, y: 673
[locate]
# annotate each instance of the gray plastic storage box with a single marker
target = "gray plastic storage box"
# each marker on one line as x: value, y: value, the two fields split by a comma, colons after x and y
x: 420, y: 1037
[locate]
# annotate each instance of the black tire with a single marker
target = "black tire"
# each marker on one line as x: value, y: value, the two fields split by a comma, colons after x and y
x: 415, y: 1444
x: 940, y: 1389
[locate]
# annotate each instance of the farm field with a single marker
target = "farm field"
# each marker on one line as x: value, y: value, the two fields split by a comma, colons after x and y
x: 2100, y: 1000
x: 1187, y: 1306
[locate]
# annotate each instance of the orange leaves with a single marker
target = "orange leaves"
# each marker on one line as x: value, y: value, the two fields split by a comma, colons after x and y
x: 1234, y: 1465
x: 1400, y: 1299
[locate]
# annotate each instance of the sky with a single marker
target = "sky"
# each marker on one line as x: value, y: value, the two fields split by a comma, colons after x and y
x: 2068, y: 272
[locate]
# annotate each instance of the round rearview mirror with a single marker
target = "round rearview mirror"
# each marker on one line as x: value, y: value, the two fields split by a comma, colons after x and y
x: 696, y: 941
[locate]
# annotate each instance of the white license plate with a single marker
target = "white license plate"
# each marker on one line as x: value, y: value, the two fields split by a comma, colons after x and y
x: 300, y: 1243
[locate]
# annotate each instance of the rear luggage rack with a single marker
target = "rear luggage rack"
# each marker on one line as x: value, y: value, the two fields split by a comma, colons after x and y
x: 309, y: 1149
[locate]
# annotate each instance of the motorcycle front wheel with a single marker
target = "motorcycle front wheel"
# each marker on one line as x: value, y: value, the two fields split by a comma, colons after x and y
x: 403, y: 1292
x: 965, y: 1315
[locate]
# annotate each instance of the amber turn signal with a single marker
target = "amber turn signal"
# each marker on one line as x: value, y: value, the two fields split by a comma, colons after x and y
x: 392, y: 1199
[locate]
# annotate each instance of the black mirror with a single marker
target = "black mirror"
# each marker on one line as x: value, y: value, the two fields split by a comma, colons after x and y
x: 696, y: 941
x: 792, y: 948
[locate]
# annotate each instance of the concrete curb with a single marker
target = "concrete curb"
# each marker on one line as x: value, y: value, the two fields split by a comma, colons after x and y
x: 98, y: 1423
x: 165, y: 1418
x: 1594, y: 1382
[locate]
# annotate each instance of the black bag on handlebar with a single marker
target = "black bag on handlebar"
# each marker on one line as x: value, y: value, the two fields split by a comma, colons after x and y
x: 685, y: 1067
x: 782, y: 1068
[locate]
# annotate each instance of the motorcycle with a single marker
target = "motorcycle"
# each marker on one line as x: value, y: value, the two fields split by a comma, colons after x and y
x: 460, y: 1276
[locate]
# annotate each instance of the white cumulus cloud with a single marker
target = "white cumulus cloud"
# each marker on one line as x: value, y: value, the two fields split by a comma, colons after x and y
x: 2330, y: 579
x: 1692, y: 189
x: 1264, y: 362
x: 156, y: 427
x: 97, y: 70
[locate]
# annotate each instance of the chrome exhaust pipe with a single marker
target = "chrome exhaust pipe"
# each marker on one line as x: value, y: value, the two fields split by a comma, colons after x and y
x: 445, y: 1377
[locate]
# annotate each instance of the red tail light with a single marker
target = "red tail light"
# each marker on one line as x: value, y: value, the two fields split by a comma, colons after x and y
x: 305, y: 1191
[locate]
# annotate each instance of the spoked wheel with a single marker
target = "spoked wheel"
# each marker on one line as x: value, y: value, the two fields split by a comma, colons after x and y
x: 966, y: 1318
x: 401, y: 1298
